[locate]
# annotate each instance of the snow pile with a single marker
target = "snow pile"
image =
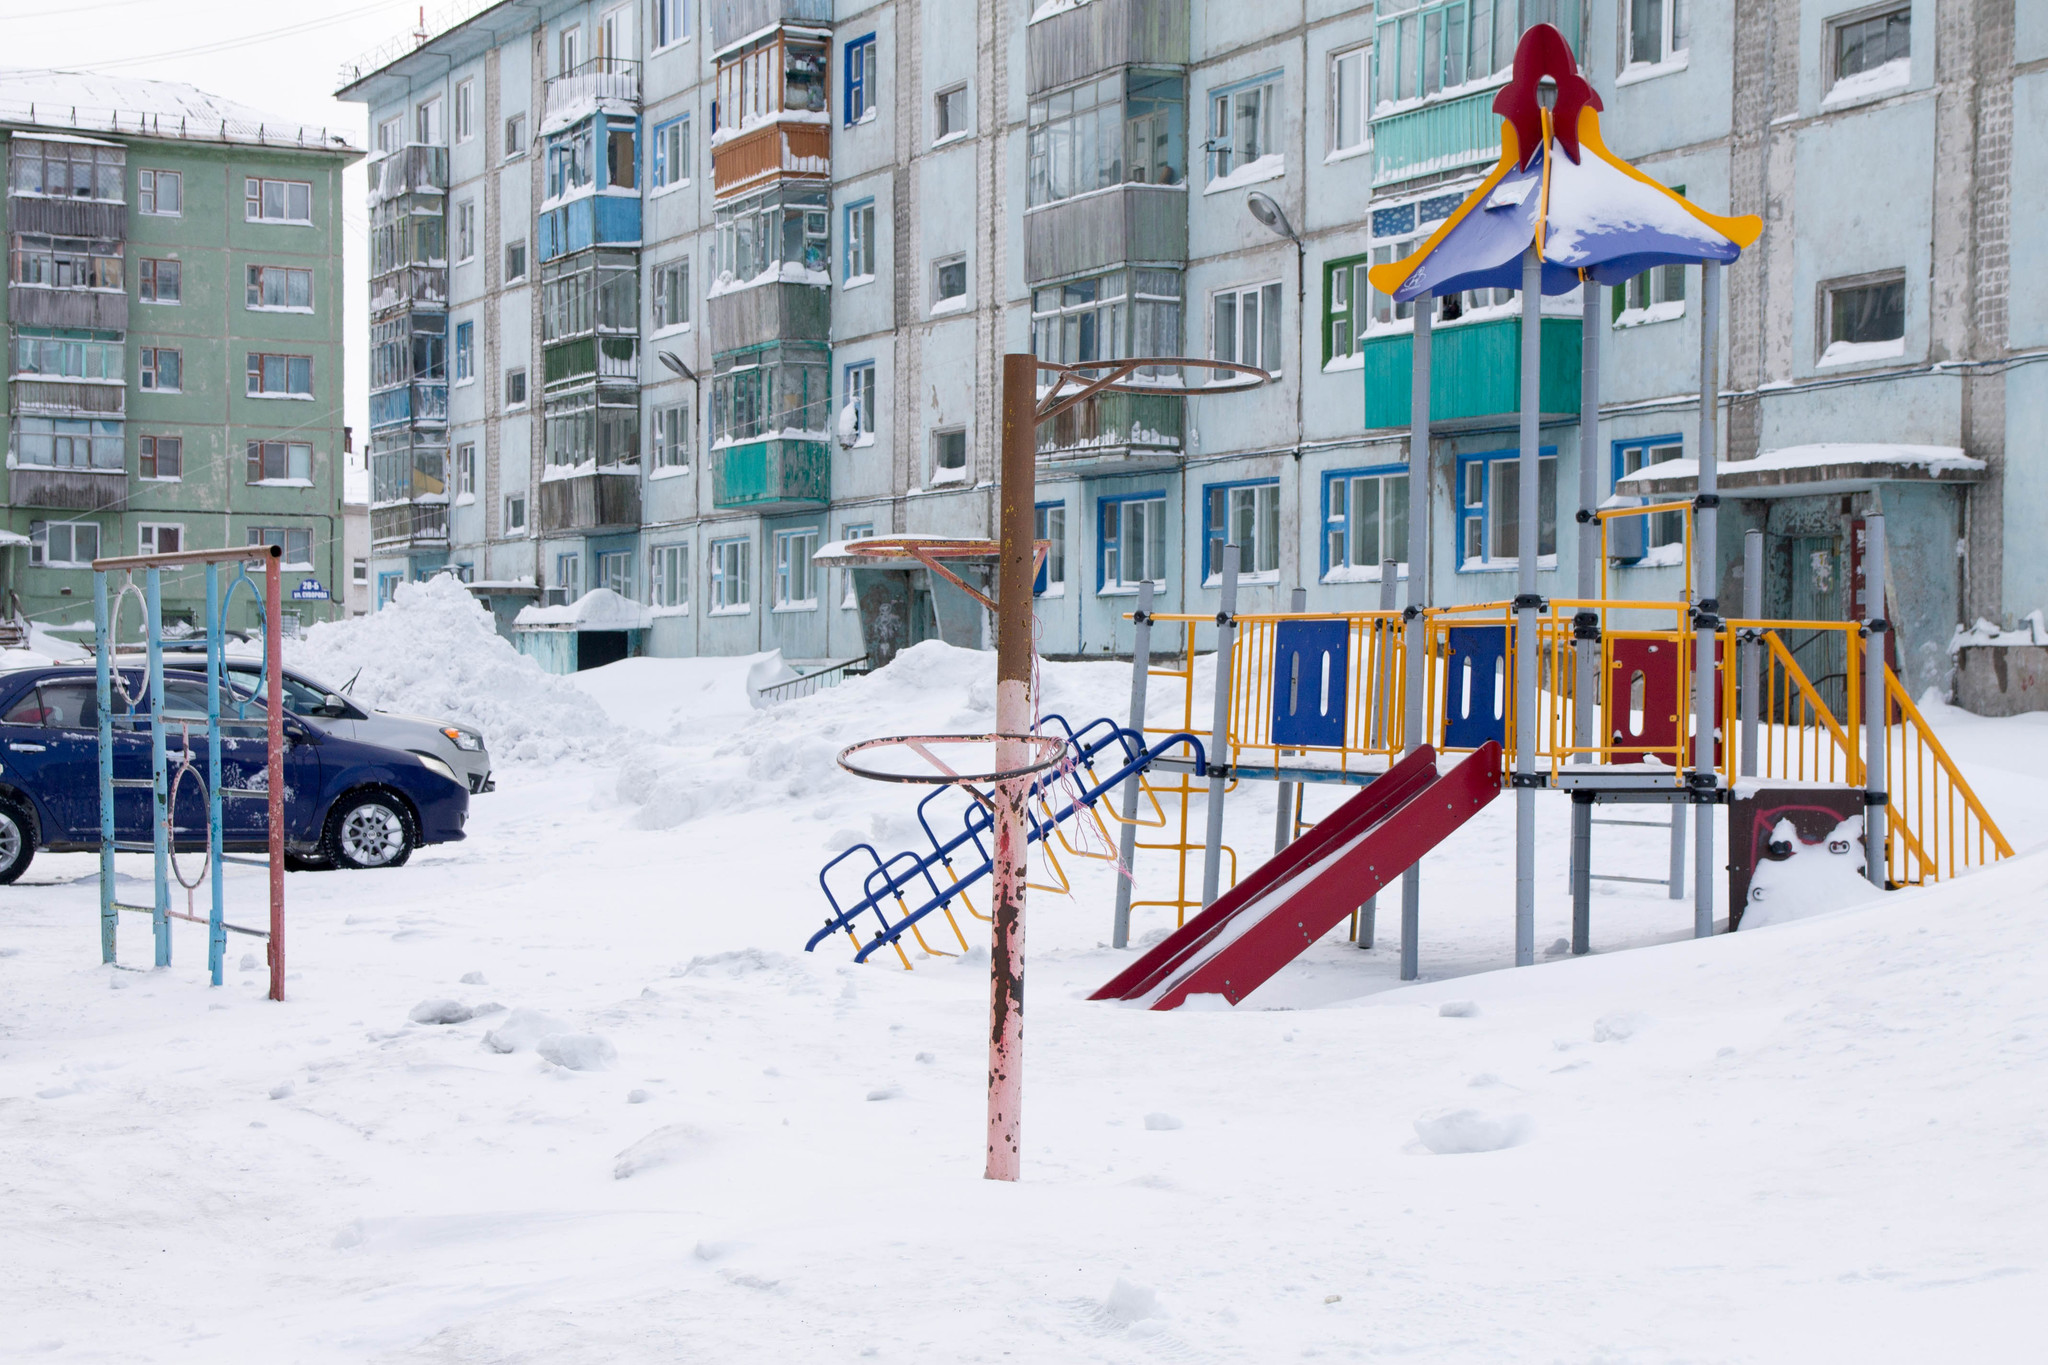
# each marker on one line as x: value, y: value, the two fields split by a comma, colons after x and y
x: 1817, y: 878
x: 2032, y: 630
x: 433, y: 653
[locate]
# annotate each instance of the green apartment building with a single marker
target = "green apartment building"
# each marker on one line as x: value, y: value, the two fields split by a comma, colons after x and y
x: 174, y: 341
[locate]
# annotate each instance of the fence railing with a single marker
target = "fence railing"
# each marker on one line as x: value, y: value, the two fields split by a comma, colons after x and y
x: 818, y: 681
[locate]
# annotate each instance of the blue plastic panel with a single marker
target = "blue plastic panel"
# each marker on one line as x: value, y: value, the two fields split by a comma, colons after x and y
x: 1311, y: 670
x: 1476, y: 687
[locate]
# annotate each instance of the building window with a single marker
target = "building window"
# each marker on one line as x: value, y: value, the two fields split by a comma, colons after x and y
x: 278, y: 288
x: 57, y: 355
x: 465, y: 470
x: 68, y: 443
x: 67, y: 170
x: 163, y: 369
x: 515, y: 513
x: 465, y: 110
x: 280, y: 462
x: 949, y: 456
x: 1345, y: 291
x: 672, y: 153
x: 569, y: 49
x: 158, y: 538
x: 668, y: 576
x: 515, y: 388
x: 949, y: 114
x: 515, y: 137
x: 63, y: 544
x: 622, y: 159
x: 163, y: 457
x: 788, y: 225
x: 1630, y: 457
x: 1133, y: 543
x: 1489, y: 510
x: 860, y: 242
x: 786, y: 389
x: 295, y: 541
x: 515, y: 261
x: 1656, y: 31
x: 671, y: 22
x: 359, y: 572
x: 1365, y: 521
x: 426, y: 122
x: 1865, y: 318
x: 615, y: 571
x: 465, y: 352
x: 672, y: 436
x: 796, y: 577
x: 849, y: 598
x: 569, y: 575
x: 280, y: 376
x: 277, y: 201
x: 1396, y: 232
x: 672, y: 294
x: 465, y: 231
x: 1049, y: 524
x: 730, y: 563
x: 1109, y: 317
x: 160, y: 281
x: 1126, y: 126
x: 1412, y: 60
x: 67, y: 263
x: 1656, y: 295
x: 1872, y: 52
x: 1242, y: 125
x: 860, y: 77
x: 160, y: 192
x: 857, y: 418
x: 1348, y: 107
x: 949, y: 281
x: 1246, y: 515
x: 390, y: 135
x: 1247, y: 326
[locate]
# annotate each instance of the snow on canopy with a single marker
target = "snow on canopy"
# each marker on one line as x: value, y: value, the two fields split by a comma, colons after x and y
x: 1588, y: 212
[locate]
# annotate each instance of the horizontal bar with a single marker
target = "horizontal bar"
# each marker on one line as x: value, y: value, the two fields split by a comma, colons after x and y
x: 138, y: 909
x: 231, y: 928
x: 248, y: 862
x: 148, y: 782
x: 241, y: 554
x: 1635, y: 824
x: 1646, y: 881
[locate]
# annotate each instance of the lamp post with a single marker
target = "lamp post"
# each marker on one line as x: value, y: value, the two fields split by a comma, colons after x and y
x: 1273, y: 218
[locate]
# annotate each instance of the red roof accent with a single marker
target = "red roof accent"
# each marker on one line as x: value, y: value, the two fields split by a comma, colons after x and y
x: 1544, y: 52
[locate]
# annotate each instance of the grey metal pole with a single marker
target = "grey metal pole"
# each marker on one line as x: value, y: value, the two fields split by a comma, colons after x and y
x: 1415, y: 711
x: 1219, y: 728
x: 1127, y: 834
x: 1751, y: 652
x: 1875, y: 704
x: 1582, y: 872
x: 1585, y: 622
x: 1283, y: 809
x: 1528, y: 483
x: 1707, y: 619
x: 1675, y: 882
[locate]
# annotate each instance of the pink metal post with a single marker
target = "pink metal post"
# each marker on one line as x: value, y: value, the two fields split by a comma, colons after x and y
x: 273, y: 652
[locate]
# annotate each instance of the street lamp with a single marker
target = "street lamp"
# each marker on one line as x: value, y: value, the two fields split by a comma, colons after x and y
x: 1273, y: 218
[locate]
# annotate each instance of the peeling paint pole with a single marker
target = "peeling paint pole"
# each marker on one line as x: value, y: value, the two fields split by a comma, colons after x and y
x: 1015, y: 490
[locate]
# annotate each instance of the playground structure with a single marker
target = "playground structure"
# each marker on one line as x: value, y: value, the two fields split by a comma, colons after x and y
x: 167, y: 781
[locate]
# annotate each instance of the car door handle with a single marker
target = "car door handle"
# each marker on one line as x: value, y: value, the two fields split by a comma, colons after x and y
x: 29, y: 748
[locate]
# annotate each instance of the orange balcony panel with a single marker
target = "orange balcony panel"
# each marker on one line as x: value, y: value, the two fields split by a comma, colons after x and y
x: 752, y: 158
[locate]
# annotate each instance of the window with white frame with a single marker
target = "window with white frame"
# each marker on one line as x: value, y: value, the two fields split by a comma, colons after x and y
x: 857, y: 417
x: 1049, y: 524
x: 515, y: 512
x: 277, y: 201
x: 1864, y: 318
x: 569, y: 49
x: 276, y: 288
x: 731, y: 563
x: 55, y: 355
x: 1365, y: 521
x: 515, y: 388
x: 1870, y: 52
x: 1631, y: 457
x: 1246, y: 515
x: 465, y: 110
x: 1124, y: 127
x: 1422, y: 47
x: 295, y: 541
x: 515, y: 137
x: 848, y: 598
x: 1656, y: 31
x: 1247, y: 326
x: 949, y: 282
x: 949, y: 455
x: 1108, y: 317
x: 1132, y: 547
x: 668, y: 576
x: 160, y: 193
x: 569, y: 575
x: 1349, y: 87
x: 515, y: 261
x: 63, y: 544
x: 465, y: 470
x: 163, y: 368
x: 949, y: 114
x: 1243, y: 125
x: 615, y: 571
x: 426, y: 122
x: 1489, y: 509
x: 161, y: 457
x: 672, y: 436
x: 391, y: 135
x: 671, y: 22
x: 359, y: 572
x: 465, y: 231
x: 1397, y: 231
x: 672, y: 294
x: 860, y: 242
x: 160, y: 538
x: 672, y: 153
x: 796, y: 585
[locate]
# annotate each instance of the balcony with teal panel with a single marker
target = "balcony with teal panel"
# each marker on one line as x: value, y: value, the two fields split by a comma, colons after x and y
x: 1475, y: 373
x: 776, y: 475
x: 1434, y: 139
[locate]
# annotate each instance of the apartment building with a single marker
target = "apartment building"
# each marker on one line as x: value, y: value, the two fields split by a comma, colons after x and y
x: 174, y: 339
x: 728, y: 282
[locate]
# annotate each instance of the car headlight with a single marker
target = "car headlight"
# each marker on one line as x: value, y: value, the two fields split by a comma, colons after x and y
x: 466, y: 740
x: 436, y: 765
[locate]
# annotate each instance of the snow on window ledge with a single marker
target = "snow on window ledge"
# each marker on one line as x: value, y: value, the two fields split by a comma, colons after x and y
x: 951, y: 138
x: 1339, y: 363
x: 1054, y: 590
x: 465, y: 499
x: 1667, y: 311
x: 1637, y: 72
x: 662, y: 613
x: 947, y: 307
x: 1888, y: 79
x: 1348, y: 153
x: 743, y: 609
x: 1127, y: 589
x: 856, y: 281
x: 1359, y: 573
x: 668, y: 471
x: 947, y: 476
x: 1244, y: 580
x: 281, y: 483
x: 1860, y: 352
x: 787, y: 608
x: 1271, y: 166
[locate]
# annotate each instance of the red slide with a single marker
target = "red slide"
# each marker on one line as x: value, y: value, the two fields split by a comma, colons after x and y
x: 1268, y: 919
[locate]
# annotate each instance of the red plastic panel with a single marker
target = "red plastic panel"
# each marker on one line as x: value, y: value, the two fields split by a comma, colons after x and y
x: 1659, y: 662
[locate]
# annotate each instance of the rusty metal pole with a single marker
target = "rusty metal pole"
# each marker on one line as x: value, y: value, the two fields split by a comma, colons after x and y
x: 273, y: 652
x: 1015, y: 492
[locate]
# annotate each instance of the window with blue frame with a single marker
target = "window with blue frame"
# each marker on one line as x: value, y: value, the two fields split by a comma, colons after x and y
x: 1489, y: 508
x: 860, y: 242
x: 1664, y: 528
x: 672, y: 153
x: 860, y: 80
x: 465, y: 352
x: 1131, y: 548
x: 1365, y: 521
x: 1246, y: 515
x: 1050, y: 520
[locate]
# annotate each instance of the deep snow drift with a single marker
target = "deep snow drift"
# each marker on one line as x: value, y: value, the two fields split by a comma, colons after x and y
x: 570, y: 1092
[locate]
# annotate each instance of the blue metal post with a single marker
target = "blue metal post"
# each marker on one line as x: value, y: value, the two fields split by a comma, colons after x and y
x: 216, y: 931
x: 159, y: 787
x: 103, y: 642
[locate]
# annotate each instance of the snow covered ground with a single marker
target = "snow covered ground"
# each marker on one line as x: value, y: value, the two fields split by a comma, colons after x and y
x: 1821, y: 1140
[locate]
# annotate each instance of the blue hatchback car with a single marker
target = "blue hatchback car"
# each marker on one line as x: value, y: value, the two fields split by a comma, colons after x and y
x: 347, y: 804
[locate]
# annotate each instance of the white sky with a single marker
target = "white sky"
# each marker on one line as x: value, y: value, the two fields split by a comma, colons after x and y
x: 280, y: 57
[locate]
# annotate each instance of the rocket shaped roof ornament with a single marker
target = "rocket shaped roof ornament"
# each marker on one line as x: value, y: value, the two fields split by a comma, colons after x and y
x: 1588, y: 212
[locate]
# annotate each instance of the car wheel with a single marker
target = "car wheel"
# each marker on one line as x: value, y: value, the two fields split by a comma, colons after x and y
x: 17, y: 841
x: 370, y: 830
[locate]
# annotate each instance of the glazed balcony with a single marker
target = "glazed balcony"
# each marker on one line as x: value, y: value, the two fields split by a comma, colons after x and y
x: 1474, y: 372
x: 612, y: 80
x: 1431, y: 139
x: 605, y: 499
x: 1107, y: 228
x: 71, y: 489
x: 409, y: 526
x: 1112, y: 431
x: 65, y: 398
x: 412, y: 169
x: 772, y: 475
x: 422, y: 402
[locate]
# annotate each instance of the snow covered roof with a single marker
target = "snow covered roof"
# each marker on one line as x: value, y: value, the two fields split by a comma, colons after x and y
x: 87, y: 101
x: 1794, y: 471
x: 598, y: 609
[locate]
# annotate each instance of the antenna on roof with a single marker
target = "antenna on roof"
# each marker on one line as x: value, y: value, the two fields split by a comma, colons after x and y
x: 419, y: 35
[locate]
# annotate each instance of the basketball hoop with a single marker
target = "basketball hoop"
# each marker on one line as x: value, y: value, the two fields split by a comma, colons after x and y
x: 973, y: 751
x: 929, y: 550
x: 1076, y: 383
